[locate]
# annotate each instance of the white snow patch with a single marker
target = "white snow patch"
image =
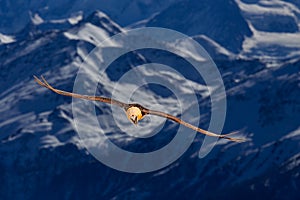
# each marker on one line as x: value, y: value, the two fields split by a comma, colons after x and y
x: 267, y: 38
x: 264, y: 7
x: 5, y: 39
x: 294, y: 161
x: 49, y: 141
x: 89, y: 33
x: 29, y: 48
x: 36, y: 19
x: 292, y: 134
x: 38, y: 127
x: 264, y: 46
x: 16, y: 119
x: 218, y: 47
x: 189, y: 50
x: 74, y: 20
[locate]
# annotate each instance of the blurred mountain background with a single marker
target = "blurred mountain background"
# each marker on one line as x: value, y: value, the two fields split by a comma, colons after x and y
x: 255, y: 45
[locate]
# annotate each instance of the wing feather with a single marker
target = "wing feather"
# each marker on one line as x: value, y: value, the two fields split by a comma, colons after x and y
x: 175, y: 119
x: 145, y: 111
x: 45, y: 84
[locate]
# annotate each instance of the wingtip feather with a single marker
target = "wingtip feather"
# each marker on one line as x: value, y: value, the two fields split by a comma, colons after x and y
x: 36, y: 79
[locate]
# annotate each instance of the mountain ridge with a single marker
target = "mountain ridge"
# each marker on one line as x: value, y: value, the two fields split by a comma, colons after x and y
x: 43, y: 157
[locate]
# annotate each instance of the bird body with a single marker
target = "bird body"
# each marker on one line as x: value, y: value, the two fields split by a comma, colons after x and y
x: 136, y: 112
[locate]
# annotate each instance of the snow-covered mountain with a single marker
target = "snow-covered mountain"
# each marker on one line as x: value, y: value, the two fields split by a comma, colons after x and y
x: 217, y: 19
x: 275, y: 26
x: 265, y: 30
x: 15, y: 15
x: 42, y: 156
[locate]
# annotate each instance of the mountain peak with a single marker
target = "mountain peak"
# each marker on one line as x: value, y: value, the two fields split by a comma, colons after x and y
x: 103, y: 21
x: 220, y: 20
x: 35, y: 18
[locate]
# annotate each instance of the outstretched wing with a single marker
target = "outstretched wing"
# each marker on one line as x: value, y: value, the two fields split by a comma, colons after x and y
x: 175, y: 119
x: 45, y: 84
x: 145, y: 111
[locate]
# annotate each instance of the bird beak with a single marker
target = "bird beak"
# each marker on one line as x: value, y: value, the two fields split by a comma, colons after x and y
x: 134, y: 119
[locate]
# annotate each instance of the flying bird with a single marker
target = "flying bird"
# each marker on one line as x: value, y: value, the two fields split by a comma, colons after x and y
x: 136, y: 112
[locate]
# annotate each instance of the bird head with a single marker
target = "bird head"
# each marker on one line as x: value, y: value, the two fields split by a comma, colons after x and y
x: 134, y: 114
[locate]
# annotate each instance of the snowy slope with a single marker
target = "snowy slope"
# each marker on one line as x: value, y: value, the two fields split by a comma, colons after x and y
x: 41, y: 154
x: 219, y: 20
x: 5, y: 39
x: 15, y: 15
x: 265, y: 30
x: 275, y: 26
